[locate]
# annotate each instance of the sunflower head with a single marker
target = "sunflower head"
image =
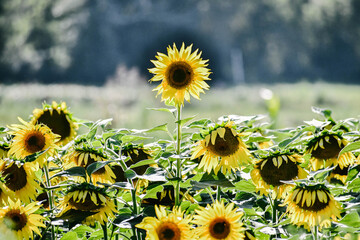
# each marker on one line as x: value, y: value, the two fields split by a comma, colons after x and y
x: 312, y: 205
x: 182, y: 72
x: 136, y: 153
x: 219, y: 222
x: 338, y: 175
x: 30, y: 139
x: 167, y: 226
x: 83, y: 156
x: 89, y: 198
x: 166, y: 197
x: 271, y: 171
x: 221, y: 147
x: 19, y: 180
x: 58, y: 119
x: 325, y: 148
x: 21, y: 220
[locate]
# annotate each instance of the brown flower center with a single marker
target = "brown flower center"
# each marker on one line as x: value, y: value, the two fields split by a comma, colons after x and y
x: 35, y: 142
x: 273, y: 175
x: 179, y: 75
x: 87, y: 204
x: 315, y: 206
x: 226, y: 146
x: 15, y: 220
x: 331, y: 149
x: 168, y: 231
x: 219, y: 228
x: 15, y: 177
x: 57, y: 122
x: 90, y: 161
x: 342, y: 172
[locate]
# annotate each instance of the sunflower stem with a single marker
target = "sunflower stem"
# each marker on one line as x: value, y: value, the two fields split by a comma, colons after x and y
x: 104, y: 228
x: 50, y: 196
x: 218, y: 193
x: 178, y: 160
x: 315, y: 233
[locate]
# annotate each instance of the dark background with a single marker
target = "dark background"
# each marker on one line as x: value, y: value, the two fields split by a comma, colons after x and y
x: 246, y: 41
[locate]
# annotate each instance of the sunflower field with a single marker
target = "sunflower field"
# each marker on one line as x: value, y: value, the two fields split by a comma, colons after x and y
x: 235, y: 178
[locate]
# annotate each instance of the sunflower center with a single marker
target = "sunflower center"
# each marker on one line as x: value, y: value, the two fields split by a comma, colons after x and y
x: 169, y: 231
x: 179, y: 75
x: 331, y: 149
x: 225, y: 146
x: 15, y: 220
x: 35, y: 142
x: 57, y: 122
x: 273, y: 175
x: 316, y: 205
x: 219, y: 228
x: 342, y: 172
x: 15, y: 177
x: 87, y: 204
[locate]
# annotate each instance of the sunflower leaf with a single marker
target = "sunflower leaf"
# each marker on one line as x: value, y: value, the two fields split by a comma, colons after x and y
x: 212, y: 179
x: 74, y: 171
x: 93, y: 167
x: 130, y: 174
x: 34, y: 156
x: 162, y: 127
x: 133, y: 138
x: 185, y: 120
x: 350, y: 147
x: 143, y: 163
x: 199, y: 123
x: 169, y: 110
x: 246, y: 186
x: 351, y: 219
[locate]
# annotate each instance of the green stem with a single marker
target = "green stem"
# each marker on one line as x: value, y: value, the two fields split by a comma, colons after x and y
x: 218, y: 193
x: 50, y: 196
x: 178, y: 161
x: 133, y: 196
x: 104, y: 228
x: 315, y: 233
x: 273, y: 204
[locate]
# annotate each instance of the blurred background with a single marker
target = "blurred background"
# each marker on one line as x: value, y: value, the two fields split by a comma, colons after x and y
x: 95, y: 55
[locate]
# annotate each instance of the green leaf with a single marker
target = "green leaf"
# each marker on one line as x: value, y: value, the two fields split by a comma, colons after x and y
x: 142, y: 163
x: 74, y: 216
x: 96, y: 166
x: 185, y: 120
x: 74, y: 171
x: 351, y: 219
x: 151, y: 193
x: 212, y: 179
x: 154, y: 175
x: 246, y: 186
x: 350, y: 147
x: 122, y: 185
x: 34, y: 156
x: 322, y: 111
x: 130, y: 174
x: 133, y: 138
x: 162, y: 127
x: 354, y: 185
x: 169, y: 110
x: 82, y: 230
x: 69, y: 236
x: 199, y: 123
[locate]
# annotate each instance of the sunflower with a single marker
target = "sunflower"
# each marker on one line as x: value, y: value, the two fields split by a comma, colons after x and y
x: 89, y: 198
x: 58, y: 119
x: 166, y: 197
x: 20, y: 220
x: 219, y: 222
x: 182, y: 74
x: 221, y: 147
x: 30, y: 138
x: 167, y: 226
x: 136, y: 153
x: 338, y: 174
x: 19, y: 180
x: 324, y: 150
x: 312, y: 205
x: 83, y: 156
x: 270, y: 172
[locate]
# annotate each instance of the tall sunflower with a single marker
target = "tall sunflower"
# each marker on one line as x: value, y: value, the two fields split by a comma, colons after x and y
x: 219, y: 222
x: 19, y: 180
x: 325, y: 148
x: 223, y: 148
x: 269, y: 173
x: 167, y: 226
x: 83, y: 156
x: 182, y: 73
x: 89, y: 198
x: 312, y: 205
x: 58, y: 118
x: 20, y: 220
x: 32, y: 138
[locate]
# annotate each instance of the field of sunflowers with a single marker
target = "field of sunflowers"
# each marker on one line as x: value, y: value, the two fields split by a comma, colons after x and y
x: 235, y: 178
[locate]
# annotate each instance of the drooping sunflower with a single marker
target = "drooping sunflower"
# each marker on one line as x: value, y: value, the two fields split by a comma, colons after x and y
x: 83, y: 156
x: 222, y: 148
x: 20, y: 180
x: 312, y: 205
x: 136, y: 153
x: 338, y: 174
x: 32, y: 138
x: 58, y: 118
x: 182, y: 73
x: 89, y: 198
x: 325, y: 148
x: 167, y: 226
x: 270, y: 171
x: 219, y: 222
x: 20, y: 220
